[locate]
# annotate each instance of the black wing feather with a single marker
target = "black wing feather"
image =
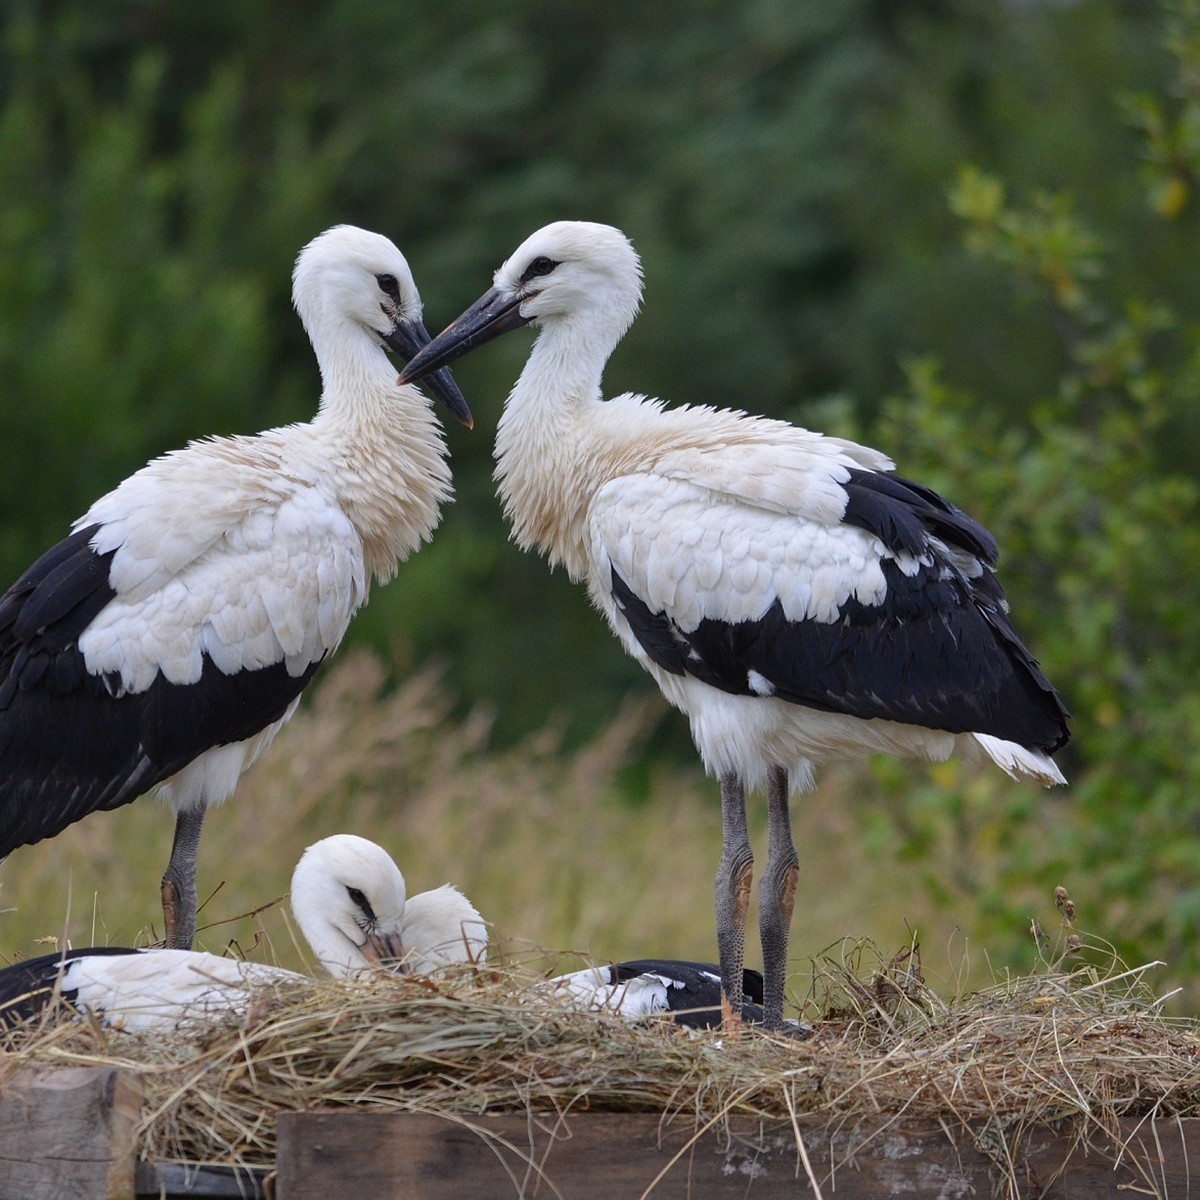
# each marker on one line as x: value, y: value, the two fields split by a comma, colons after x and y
x: 902, y: 514
x: 70, y: 741
x: 696, y: 1002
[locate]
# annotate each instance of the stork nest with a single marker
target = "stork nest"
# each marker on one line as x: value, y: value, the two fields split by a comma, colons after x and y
x: 1067, y: 1041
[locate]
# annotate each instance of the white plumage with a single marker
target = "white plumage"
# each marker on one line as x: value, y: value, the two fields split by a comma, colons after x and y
x: 786, y: 592
x: 163, y: 644
x: 687, y: 993
x: 350, y: 901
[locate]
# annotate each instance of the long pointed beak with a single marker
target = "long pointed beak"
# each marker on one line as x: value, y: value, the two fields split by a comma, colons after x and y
x: 407, y: 338
x: 494, y: 313
x: 387, y: 950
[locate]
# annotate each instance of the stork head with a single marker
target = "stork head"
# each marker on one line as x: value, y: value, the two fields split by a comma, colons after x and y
x: 570, y: 271
x: 348, y: 897
x: 350, y: 276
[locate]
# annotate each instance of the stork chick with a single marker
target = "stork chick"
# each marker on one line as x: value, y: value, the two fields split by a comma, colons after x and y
x: 351, y: 904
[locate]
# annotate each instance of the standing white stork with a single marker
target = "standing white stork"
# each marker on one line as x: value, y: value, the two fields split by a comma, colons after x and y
x: 351, y: 903
x: 794, y: 599
x: 164, y: 642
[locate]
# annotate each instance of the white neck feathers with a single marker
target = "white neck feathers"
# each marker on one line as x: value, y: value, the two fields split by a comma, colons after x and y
x: 386, y: 455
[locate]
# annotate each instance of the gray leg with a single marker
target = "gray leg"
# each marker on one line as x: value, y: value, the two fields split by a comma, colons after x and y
x: 733, y: 893
x: 777, y: 893
x: 179, y: 881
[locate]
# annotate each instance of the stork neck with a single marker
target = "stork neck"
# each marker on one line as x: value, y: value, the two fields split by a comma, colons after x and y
x: 340, y: 956
x: 355, y: 369
x: 336, y: 952
x: 544, y: 455
x: 385, y: 449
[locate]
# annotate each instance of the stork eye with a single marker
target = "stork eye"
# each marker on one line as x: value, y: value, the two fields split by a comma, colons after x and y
x: 540, y: 266
x: 357, y: 897
x: 389, y: 285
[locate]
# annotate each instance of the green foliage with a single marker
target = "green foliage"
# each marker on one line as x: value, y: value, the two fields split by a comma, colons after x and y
x: 1095, y: 532
x: 1170, y: 125
x: 1043, y: 241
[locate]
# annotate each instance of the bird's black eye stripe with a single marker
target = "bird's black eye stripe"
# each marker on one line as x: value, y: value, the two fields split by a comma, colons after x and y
x: 357, y: 897
x: 540, y: 266
x: 389, y: 285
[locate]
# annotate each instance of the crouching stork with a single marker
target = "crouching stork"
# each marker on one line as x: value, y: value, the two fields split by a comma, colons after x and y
x: 161, y: 646
x: 350, y: 901
x: 688, y: 993
x: 794, y: 599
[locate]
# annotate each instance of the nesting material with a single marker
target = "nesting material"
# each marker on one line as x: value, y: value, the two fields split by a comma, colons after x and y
x: 1057, y: 1044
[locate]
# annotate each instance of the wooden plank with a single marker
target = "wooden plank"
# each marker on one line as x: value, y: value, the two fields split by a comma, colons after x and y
x: 68, y: 1131
x: 174, y: 1181
x: 616, y: 1156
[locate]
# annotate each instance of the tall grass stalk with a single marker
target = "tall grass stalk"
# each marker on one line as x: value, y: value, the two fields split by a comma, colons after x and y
x: 547, y: 843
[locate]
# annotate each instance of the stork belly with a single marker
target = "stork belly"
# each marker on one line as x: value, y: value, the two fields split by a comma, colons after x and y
x: 748, y: 734
x: 213, y: 776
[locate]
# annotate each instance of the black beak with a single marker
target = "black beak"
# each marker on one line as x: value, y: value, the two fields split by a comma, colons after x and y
x: 492, y: 314
x: 407, y: 338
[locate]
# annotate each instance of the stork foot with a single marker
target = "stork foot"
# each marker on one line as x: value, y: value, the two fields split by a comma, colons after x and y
x: 795, y: 1030
x: 732, y: 1024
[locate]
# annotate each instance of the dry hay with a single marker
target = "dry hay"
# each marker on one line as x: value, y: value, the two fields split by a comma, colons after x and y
x: 1056, y: 1044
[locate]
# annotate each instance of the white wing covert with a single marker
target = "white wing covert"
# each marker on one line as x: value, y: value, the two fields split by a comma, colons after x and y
x: 279, y: 585
x: 694, y: 552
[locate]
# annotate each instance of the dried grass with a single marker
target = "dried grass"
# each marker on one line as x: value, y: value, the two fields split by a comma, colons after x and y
x: 547, y: 843
x: 1063, y: 1043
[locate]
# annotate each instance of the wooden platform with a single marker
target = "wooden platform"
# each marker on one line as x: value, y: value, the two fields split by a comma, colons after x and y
x: 615, y: 1156
x: 70, y: 1133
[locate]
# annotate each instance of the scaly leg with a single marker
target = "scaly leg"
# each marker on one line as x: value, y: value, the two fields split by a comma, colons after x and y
x: 733, y: 895
x: 776, y: 897
x: 179, y: 881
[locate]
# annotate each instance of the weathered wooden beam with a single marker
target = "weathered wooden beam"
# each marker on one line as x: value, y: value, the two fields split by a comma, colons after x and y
x: 615, y: 1156
x: 174, y: 1181
x: 68, y: 1131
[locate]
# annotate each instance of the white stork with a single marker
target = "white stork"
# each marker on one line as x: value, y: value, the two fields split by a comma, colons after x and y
x: 164, y: 642
x: 689, y: 993
x: 794, y: 599
x: 349, y: 899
